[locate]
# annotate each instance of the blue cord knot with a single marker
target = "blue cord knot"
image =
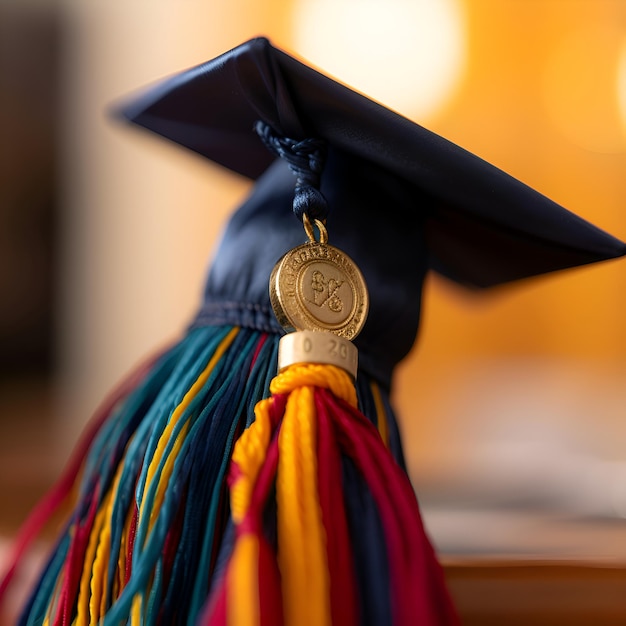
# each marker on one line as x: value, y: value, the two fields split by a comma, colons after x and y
x: 306, y: 160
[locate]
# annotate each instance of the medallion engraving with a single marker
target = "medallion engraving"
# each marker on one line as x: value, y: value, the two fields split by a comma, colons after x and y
x: 317, y: 287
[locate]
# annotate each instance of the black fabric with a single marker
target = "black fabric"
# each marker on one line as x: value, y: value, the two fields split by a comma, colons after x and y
x: 401, y: 200
x: 485, y: 227
x: 265, y: 227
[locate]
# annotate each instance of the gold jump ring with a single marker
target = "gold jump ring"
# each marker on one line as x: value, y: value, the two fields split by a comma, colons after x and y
x: 310, y: 231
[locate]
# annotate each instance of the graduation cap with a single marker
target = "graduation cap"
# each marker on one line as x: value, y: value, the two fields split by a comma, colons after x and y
x: 402, y: 199
x: 484, y: 227
x: 214, y: 490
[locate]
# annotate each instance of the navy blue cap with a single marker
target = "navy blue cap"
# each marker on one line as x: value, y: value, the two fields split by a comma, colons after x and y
x: 402, y: 200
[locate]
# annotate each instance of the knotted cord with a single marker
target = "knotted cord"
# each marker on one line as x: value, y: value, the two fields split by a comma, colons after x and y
x: 305, y: 159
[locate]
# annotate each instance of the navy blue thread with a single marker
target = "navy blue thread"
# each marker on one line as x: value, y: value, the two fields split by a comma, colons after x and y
x: 306, y: 160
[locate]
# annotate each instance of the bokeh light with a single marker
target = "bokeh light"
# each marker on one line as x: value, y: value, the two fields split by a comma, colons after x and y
x: 408, y: 55
x: 621, y: 84
x: 583, y: 90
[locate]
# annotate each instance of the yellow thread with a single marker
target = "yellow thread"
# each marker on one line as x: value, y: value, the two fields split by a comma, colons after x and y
x: 166, y: 473
x: 99, y: 572
x: 309, y: 374
x: 84, y: 596
x: 160, y: 449
x: 176, y: 416
x: 103, y: 596
x: 249, y: 454
x: 135, y: 611
x: 381, y: 414
x: 243, y: 590
x: 121, y: 566
x: 100, y: 567
x: 302, y: 539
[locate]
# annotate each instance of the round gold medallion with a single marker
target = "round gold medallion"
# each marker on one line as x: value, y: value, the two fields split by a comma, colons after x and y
x: 317, y: 287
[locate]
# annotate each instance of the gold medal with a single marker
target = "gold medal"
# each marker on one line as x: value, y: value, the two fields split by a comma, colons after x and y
x: 317, y: 287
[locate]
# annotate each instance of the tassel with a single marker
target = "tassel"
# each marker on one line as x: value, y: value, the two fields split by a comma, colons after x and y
x: 215, y: 492
x: 328, y: 530
x: 327, y: 526
x: 149, y: 486
x: 149, y: 529
x: 58, y: 495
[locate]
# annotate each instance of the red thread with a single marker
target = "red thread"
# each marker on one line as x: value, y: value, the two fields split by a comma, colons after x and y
x: 343, y: 598
x: 59, y: 492
x: 419, y: 590
x: 75, y: 562
x: 259, y: 345
x: 132, y: 532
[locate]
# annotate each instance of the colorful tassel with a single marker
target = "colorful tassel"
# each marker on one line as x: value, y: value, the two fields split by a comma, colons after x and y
x: 150, y: 527
x: 151, y: 503
x: 328, y: 530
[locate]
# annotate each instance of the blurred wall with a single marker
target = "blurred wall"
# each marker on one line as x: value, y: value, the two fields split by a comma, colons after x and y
x: 517, y: 397
x: 141, y: 217
x: 29, y: 89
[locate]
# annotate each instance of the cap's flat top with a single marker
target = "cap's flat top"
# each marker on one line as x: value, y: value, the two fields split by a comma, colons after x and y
x: 483, y: 226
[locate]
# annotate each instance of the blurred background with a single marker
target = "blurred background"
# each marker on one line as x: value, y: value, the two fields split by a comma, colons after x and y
x: 512, y: 402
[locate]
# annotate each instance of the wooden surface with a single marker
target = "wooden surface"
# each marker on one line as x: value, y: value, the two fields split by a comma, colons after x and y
x: 508, y: 593
x: 511, y: 593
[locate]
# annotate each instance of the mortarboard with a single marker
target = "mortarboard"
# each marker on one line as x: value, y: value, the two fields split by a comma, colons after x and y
x: 483, y: 226
x: 403, y: 199
x: 153, y: 533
